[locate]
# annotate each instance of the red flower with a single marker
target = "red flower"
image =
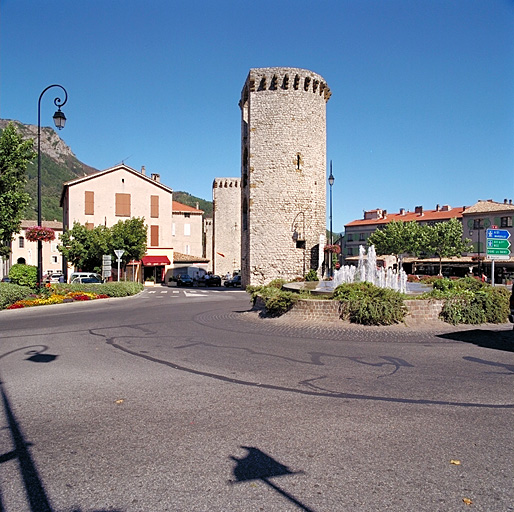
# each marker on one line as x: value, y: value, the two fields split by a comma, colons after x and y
x: 36, y: 233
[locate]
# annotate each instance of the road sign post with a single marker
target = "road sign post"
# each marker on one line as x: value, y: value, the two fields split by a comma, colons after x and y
x: 119, y: 254
x: 498, y: 247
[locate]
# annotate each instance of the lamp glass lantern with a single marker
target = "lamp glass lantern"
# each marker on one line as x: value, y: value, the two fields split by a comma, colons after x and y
x: 59, y: 119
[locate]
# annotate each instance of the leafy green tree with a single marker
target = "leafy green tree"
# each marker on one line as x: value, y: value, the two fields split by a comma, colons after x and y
x: 444, y: 240
x: 130, y: 236
x: 84, y: 248
x: 15, y: 154
x: 397, y: 238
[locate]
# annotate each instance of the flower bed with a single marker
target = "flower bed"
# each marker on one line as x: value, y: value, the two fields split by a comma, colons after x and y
x: 56, y: 299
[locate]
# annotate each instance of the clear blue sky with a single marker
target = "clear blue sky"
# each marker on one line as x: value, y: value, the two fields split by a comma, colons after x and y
x: 422, y: 111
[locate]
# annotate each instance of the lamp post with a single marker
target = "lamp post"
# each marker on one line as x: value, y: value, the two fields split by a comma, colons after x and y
x: 59, y: 120
x: 331, y: 182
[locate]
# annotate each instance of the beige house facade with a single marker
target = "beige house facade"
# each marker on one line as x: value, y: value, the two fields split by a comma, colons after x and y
x: 120, y: 193
x: 25, y: 252
x: 187, y: 229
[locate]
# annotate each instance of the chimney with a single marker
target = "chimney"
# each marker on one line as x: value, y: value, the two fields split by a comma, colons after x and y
x: 402, y: 211
x: 510, y: 201
x: 143, y: 170
x: 197, y: 205
x: 505, y: 201
x: 437, y: 207
x: 156, y: 177
x: 418, y: 210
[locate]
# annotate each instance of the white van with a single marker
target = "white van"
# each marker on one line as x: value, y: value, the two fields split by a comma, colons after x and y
x: 85, y: 277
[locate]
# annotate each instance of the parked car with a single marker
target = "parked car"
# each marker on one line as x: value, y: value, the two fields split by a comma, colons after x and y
x: 235, y: 281
x: 5, y: 280
x: 511, y: 316
x: 212, y: 280
x: 80, y: 277
x: 184, y: 280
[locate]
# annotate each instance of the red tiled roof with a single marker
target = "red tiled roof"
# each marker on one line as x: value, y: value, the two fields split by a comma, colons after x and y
x: 427, y: 215
x: 179, y: 207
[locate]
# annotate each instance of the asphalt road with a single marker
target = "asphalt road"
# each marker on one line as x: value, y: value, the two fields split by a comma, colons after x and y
x: 183, y: 400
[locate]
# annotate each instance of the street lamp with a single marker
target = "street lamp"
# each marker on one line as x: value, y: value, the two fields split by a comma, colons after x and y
x: 331, y: 182
x: 59, y: 120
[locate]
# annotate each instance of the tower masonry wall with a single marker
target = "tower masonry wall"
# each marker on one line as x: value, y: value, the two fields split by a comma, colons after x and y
x: 283, y: 147
x: 226, y: 195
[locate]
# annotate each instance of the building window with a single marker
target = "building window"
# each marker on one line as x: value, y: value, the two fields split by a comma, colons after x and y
x: 90, y: 226
x: 54, y: 248
x: 350, y: 251
x: 187, y: 249
x: 54, y: 260
x: 21, y: 242
x: 89, y: 203
x: 154, y: 207
x: 477, y: 224
x: 350, y: 237
x: 187, y: 229
x: 154, y: 236
x: 506, y: 222
x: 361, y: 237
x: 123, y: 205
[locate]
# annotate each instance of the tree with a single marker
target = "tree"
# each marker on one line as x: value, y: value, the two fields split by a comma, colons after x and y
x: 397, y: 238
x: 130, y: 236
x: 15, y: 154
x: 84, y: 247
x: 444, y: 240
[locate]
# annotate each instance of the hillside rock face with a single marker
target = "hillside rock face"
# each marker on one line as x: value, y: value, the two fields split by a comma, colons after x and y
x: 51, y: 145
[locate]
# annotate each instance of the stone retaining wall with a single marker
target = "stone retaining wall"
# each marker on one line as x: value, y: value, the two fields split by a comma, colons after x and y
x: 423, y: 310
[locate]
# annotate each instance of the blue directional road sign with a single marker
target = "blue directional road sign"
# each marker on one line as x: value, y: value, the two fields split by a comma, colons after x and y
x: 497, y: 234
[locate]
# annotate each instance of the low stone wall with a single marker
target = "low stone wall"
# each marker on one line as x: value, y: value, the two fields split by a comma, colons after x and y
x: 422, y: 310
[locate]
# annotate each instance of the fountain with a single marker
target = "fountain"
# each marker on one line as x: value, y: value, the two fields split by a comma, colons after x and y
x: 366, y: 270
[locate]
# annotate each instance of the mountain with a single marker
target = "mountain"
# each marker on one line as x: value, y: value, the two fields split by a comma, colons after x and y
x: 195, y: 202
x: 59, y: 164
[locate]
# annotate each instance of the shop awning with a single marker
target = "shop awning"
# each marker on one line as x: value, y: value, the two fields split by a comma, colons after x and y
x: 154, y: 261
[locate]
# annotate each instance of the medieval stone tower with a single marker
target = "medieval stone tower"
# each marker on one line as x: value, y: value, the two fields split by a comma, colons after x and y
x: 283, y: 173
x: 226, y: 199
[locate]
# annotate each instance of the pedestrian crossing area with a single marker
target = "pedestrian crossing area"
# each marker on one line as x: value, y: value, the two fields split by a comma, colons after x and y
x: 189, y: 293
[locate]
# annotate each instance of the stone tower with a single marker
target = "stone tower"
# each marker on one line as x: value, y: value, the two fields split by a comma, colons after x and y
x: 283, y: 173
x: 226, y: 199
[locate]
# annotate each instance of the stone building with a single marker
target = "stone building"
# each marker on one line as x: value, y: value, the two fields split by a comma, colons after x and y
x: 283, y: 173
x: 226, y: 198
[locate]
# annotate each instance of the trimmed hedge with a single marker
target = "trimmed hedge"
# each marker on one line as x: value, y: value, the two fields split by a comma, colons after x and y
x: 24, y: 275
x: 364, y: 303
x: 112, y: 289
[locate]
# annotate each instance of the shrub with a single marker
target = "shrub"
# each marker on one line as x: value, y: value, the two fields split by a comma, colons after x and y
x: 276, y: 300
x: 24, y: 275
x: 364, y: 303
x: 114, y: 289
x: 10, y: 293
x: 485, y: 305
x: 312, y: 275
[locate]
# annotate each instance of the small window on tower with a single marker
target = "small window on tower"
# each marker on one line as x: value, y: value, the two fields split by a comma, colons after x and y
x: 298, y: 162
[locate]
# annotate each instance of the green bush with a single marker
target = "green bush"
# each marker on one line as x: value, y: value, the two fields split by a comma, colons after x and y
x: 24, y: 275
x: 486, y: 305
x: 312, y: 275
x: 114, y: 289
x: 10, y: 293
x: 364, y: 303
x: 276, y: 300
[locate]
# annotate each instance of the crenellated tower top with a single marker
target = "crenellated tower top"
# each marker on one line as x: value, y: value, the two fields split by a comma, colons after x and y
x: 284, y: 79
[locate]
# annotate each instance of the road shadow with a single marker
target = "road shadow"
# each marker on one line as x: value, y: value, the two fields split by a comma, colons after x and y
x: 497, y: 340
x: 257, y: 465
